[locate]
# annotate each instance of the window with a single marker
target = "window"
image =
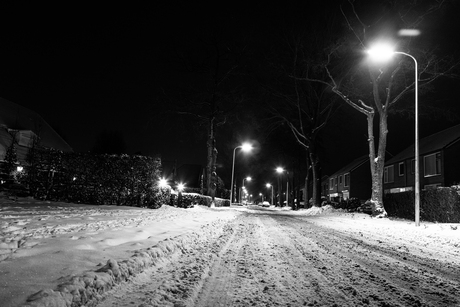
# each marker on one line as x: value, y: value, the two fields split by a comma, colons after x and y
x: 347, y: 179
x: 412, y: 166
x: 340, y: 180
x: 401, y: 169
x: 25, y: 138
x: 388, y: 174
x: 331, y: 184
x: 432, y: 164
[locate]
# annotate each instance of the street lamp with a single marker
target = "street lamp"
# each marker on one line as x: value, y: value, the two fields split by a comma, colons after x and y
x: 383, y: 53
x: 281, y: 170
x: 244, y: 147
x: 261, y: 196
x: 242, y: 187
x: 268, y: 185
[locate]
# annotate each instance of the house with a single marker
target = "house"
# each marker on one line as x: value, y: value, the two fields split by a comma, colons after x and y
x: 20, y: 126
x: 439, y: 163
x: 353, y: 180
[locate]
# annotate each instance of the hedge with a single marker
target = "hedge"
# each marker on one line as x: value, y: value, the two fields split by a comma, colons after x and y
x: 188, y: 200
x: 94, y: 179
x: 436, y: 205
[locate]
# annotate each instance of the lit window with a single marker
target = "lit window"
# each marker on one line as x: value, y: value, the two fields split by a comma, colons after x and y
x: 388, y: 174
x: 432, y: 164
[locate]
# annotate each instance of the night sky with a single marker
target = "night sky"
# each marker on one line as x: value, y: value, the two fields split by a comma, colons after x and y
x: 90, y: 69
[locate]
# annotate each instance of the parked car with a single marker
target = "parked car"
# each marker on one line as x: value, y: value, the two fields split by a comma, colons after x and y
x: 265, y: 204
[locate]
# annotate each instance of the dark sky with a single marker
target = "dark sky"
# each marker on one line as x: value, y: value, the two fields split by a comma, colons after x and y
x: 86, y: 69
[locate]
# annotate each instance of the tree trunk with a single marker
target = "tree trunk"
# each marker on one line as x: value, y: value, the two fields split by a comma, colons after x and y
x: 316, y: 193
x: 307, y: 181
x: 377, y: 163
x: 211, y: 175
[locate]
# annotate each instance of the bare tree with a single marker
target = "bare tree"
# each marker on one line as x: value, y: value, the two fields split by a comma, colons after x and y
x: 305, y: 107
x: 376, y: 90
x: 207, y: 91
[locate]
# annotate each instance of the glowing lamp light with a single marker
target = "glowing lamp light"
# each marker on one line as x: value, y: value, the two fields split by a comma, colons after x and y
x: 381, y: 52
x: 246, y: 147
x: 181, y: 187
x: 163, y: 183
x: 19, y: 168
x: 279, y: 170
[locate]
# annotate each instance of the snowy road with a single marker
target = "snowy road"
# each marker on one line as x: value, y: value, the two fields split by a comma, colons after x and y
x: 271, y: 258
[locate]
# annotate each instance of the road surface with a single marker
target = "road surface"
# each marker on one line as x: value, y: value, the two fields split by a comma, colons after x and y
x: 267, y: 258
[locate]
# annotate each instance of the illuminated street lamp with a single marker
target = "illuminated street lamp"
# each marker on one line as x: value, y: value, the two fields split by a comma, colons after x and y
x: 268, y: 185
x: 242, y: 187
x: 162, y: 183
x: 384, y: 53
x: 281, y: 170
x: 246, y: 147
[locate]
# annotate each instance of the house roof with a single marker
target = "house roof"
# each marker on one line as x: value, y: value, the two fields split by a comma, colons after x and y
x: 352, y: 166
x: 14, y: 116
x: 437, y: 141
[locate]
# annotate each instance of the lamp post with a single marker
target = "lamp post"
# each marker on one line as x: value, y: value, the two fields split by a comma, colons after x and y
x: 383, y: 52
x: 281, y: 170
x: 244, y: 147
x: 242, y: 187
x: 268, y: 185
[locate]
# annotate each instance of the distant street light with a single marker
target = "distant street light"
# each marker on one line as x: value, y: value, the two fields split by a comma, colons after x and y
x: 246, y: 147
x: 242, y: 187
x: 281, y: 170
x: 384, y: 53
x: 162, y: 183
x: 268, y: 185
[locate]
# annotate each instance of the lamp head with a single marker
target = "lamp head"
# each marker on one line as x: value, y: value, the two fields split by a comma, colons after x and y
x: 248, y: 178
x: 163, y: 183
x: 246, y: 147
x: 381, y: 52
x: 279, y: 169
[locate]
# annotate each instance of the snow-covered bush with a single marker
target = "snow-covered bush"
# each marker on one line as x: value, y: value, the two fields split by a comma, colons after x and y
x: 436, y: 205
x: 95, y: 179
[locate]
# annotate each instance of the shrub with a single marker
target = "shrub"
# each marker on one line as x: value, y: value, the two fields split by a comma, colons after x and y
x: 351, y: 204
x: 95, y: 179
x: 436, y: 205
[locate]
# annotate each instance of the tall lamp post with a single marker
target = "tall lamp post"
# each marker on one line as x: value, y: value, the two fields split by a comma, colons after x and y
x: 244, y: 147
x: 242, y: 187
x: 269, y: 185
x: 281, y: 170
x: 382, y: 52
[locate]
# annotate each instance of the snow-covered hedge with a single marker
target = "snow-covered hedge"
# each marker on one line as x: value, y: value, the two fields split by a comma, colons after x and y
x: 436, y: 205
x: 188, y: 200
x: 95, y: 179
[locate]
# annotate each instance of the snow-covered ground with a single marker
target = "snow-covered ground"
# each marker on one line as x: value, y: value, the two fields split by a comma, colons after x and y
x: 53, y: 253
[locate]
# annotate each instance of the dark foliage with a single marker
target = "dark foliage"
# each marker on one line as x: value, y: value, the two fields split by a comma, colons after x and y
x: 188, y: 200
x: 351, y: 204
x: 95, y: 179
x: 436, y: 205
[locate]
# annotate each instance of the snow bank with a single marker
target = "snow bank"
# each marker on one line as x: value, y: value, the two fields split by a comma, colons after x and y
x: 88, y: 289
